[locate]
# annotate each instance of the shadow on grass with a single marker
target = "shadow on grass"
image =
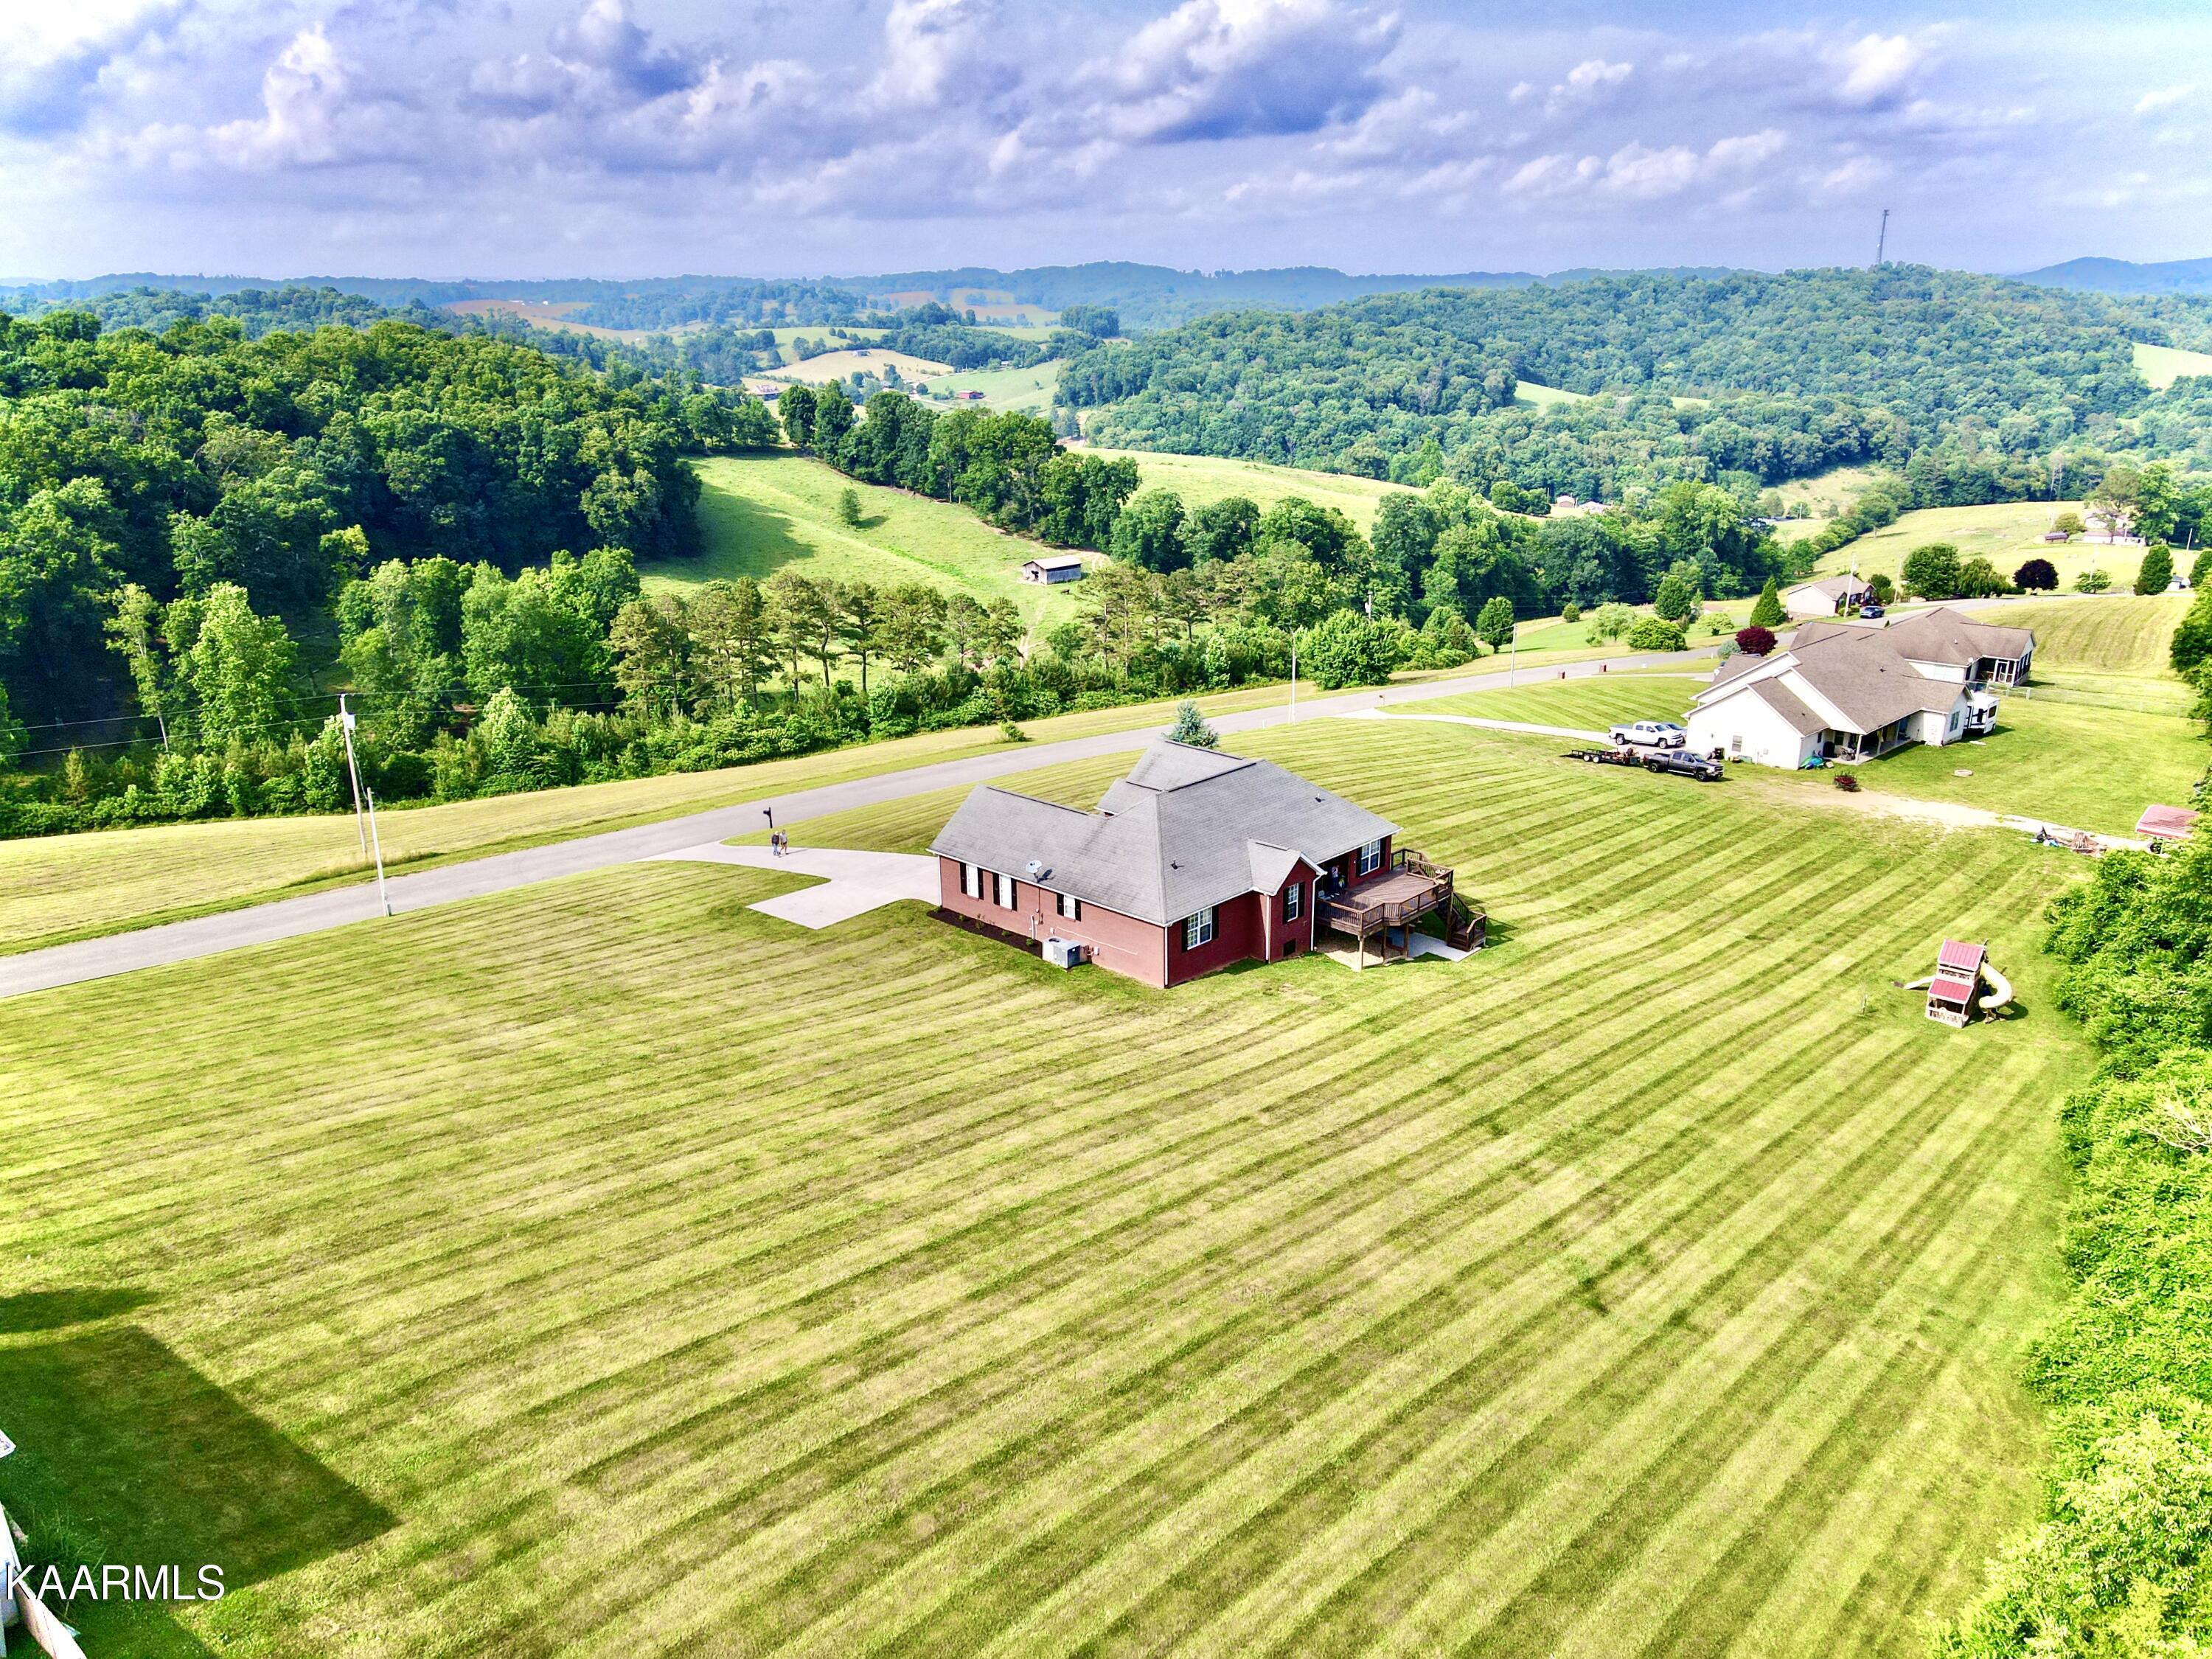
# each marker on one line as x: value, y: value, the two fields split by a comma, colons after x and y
x: 52, y: 1310
x: 126, y: 1455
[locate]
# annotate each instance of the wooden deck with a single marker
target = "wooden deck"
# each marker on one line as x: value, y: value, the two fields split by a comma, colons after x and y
x: 1413, y: 889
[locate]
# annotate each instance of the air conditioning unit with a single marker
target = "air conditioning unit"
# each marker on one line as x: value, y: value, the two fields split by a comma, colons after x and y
x: 1066, y: 953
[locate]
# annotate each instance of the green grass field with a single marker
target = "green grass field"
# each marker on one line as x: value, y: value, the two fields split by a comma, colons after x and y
x: 1591, y: 703
x: 1202, y: 480
x: 2085, y: 765
x: 2106, y: 635
x: 2163, y: 365
x: 1027, y: 389
x: 2006, y: 534
x: 760, y: 512
x: 609, y: 1267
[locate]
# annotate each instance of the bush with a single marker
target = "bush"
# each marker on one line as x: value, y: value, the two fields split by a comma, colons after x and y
x: 2092, y: 582
x: 1571, y: 612
x: 2201, y: 571
x: 2036, y: 576
x: 2156, y: 575
x: 1979, y: 580
x: 1848, y: 783
x: 2192, y: 638
x: 1654, y: 634
x: 2069, y: 523
x: 848, y: 508
x: 1346, y: 649
x: 1719, y: 622
x: 1881, y: 589
x: 1610, y: 621
x: 1755, y: 641
x: 1013, y: 733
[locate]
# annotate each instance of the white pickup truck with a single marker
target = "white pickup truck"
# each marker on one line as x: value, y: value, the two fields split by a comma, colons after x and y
x: 1649, y: 734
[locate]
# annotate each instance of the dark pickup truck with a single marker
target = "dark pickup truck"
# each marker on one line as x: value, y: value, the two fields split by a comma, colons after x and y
x: 1683, y: 764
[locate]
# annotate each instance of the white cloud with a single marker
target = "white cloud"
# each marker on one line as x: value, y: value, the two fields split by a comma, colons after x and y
x: 1877, y: 68
x: 315, y: 112
x: 2164, y: 98
x: 1640, y: 172
x: 52, y: 55
x: 1233, y: 69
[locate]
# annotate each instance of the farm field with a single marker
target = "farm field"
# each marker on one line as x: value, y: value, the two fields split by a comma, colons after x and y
x: 842, y: 365
x: 1294, y: 1311
x: 1202, y: 480
x: 1030, y: 390
x: 2005, y: 534
x: 760, y: 512
x: 1827, y: 494
x: 54, y: 889
x: 2163, y: 365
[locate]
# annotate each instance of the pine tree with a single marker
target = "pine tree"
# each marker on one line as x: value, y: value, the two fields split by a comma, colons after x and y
x: 1768, y: 612
x: 1190, y: 727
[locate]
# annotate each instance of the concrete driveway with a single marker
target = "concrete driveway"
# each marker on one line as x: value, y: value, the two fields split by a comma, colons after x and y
x: 853, y: 884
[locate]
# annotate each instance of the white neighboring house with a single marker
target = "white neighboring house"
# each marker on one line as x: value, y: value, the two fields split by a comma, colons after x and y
x: 1059, y: 567
x: 1842, y: 692
x: 1830, y: 596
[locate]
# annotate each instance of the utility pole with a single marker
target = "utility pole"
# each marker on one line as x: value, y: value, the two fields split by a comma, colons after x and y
x: 383, y: 902
x: 1882, y: 242
x: 372, y: 843
x: 353, y: 771
x: 1294, y: 680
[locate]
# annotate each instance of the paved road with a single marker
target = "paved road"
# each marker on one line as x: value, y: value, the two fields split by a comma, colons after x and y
x: 261, y: 924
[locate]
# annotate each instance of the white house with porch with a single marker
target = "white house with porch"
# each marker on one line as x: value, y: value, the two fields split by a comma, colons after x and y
x: 1839, y: 693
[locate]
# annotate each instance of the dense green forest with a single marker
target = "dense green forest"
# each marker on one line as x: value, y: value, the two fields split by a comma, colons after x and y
x: 1772, y: 376
x: 284, y: 464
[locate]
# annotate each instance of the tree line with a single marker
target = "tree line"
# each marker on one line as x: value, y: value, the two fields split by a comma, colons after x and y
x: 1702, y: 377
x: 2116, y: 1563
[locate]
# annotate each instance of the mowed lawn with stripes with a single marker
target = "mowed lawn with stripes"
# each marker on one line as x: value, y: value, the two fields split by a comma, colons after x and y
x: 640, y: 1274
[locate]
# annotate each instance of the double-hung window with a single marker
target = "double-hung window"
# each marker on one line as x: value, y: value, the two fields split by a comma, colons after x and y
x: 1370, y: 857
x: 1004, y: 891
x: 1070, y: 905
x: 971, y: 881
x: 1198, y: 929
x: 1294, y: 901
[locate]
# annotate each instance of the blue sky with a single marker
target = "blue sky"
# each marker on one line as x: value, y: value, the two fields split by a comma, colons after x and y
x: 615, y: 137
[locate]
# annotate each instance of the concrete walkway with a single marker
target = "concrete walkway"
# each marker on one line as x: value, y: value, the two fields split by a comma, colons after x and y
x: 282, y: 919
x: 852, y: 882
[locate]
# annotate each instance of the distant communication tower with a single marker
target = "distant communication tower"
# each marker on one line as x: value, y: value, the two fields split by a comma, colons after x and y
x: 1882, y: 242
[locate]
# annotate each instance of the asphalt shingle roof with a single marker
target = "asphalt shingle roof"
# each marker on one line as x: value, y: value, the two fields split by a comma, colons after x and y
x: 1187, y: 828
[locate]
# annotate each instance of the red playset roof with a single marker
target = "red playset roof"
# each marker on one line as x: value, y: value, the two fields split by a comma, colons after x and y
x: 1958, y: 958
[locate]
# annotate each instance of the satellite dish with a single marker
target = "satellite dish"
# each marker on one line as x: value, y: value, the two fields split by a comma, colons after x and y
x: 1034, y: 867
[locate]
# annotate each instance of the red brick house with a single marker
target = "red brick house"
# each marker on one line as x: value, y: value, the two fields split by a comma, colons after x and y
x: 1194, y: 861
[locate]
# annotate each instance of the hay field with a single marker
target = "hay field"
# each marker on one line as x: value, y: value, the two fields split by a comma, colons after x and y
x: 2108, y: 634
x: 2163, y: 365
x: 608, y: 1267
x: 2007, y: 534
x: 760, y: 512
x: 1202, y: 480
